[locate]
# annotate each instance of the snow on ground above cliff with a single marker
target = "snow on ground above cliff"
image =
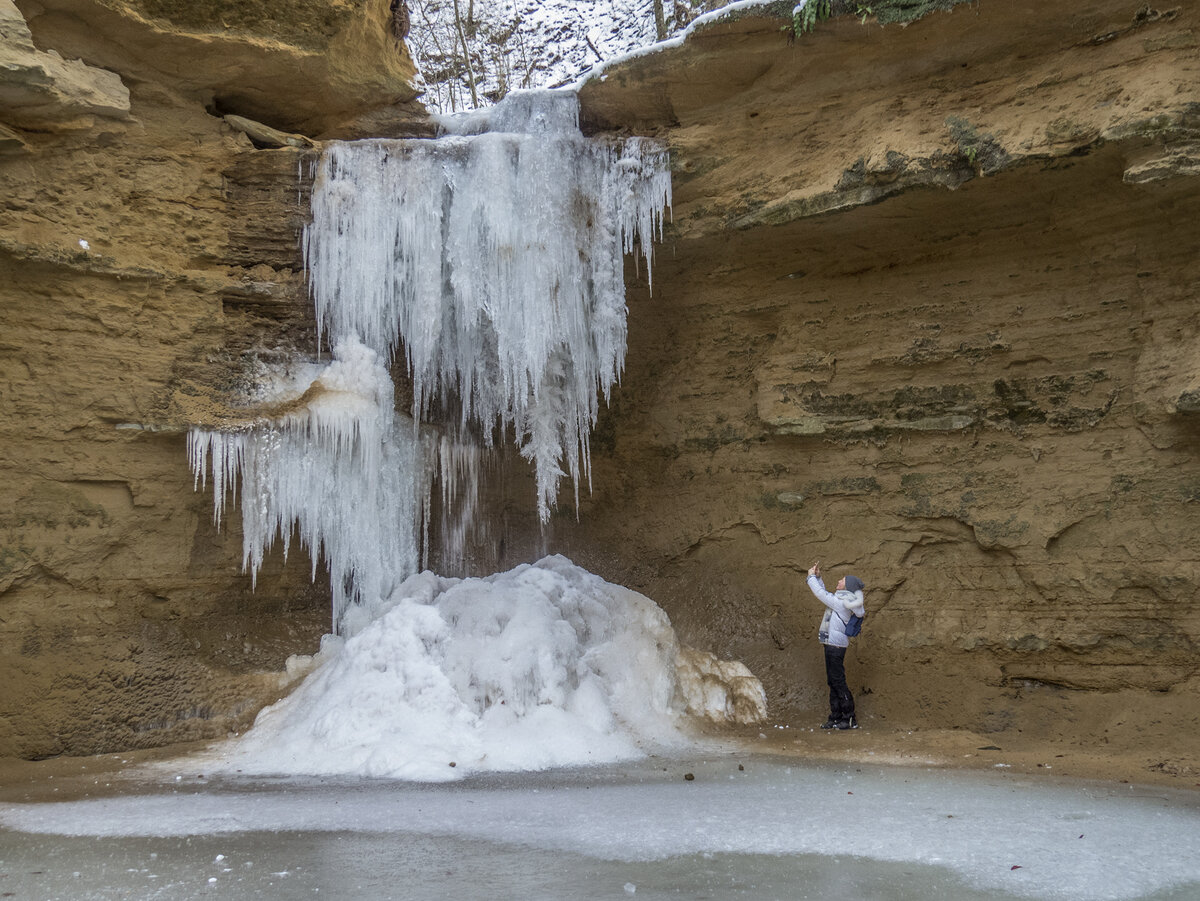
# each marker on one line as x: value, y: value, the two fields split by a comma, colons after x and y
x: 520, y: 44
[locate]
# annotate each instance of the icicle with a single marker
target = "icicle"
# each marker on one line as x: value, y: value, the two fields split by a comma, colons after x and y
x: 341, y: 469
x: 493, y: 260
x: 645, y: 179
x: 226, y: 451
x: 496, y: 261
x: 459, y: 465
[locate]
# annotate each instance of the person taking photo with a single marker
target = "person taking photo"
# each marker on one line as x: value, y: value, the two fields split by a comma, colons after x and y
x: 843, y: 614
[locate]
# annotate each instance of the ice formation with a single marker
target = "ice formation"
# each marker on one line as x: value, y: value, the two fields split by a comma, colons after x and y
x: 347, y: 473
x: 490, y: 263
x: 545, y: 665
x: 746, y: 832
x: 492, y: 259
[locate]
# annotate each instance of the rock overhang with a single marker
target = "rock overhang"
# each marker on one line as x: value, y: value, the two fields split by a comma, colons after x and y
x: 318, y: 67
x: 767, y: 126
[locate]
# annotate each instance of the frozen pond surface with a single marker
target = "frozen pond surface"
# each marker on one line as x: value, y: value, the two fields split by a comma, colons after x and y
x: 745, y: 827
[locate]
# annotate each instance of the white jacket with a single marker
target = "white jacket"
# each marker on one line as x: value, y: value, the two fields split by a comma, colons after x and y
x: 840, y: 606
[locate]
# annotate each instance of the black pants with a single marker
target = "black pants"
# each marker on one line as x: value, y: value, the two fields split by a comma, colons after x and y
x: 841, y: 702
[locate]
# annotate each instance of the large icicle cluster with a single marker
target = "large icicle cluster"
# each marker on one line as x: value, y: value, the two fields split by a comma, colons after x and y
x: 342, y: 469
x: 492, y: 260
x: 494, y: 257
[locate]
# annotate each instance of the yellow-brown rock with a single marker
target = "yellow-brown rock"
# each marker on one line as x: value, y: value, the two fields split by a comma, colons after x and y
x: 142, y: 255
x: 43, y: 91
x: 312, y: 66
x: 926, y: 312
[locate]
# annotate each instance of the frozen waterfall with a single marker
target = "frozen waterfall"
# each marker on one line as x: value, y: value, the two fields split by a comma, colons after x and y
x: 489, y: 264
x: 495, y: 260
x: 492, y: 260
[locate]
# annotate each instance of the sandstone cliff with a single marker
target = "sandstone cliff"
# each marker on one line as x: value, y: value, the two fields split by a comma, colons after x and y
x: 146, y: 245
x: 926, y: 312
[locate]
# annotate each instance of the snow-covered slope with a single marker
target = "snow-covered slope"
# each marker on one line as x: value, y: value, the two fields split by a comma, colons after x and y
x: 528, y: 43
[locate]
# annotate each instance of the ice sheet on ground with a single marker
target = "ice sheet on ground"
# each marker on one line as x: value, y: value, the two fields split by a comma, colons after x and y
x: 1067, y: 841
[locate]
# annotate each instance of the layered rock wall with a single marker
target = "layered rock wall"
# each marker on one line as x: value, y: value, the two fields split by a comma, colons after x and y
x: 148, y: 254
x: 926, y: 312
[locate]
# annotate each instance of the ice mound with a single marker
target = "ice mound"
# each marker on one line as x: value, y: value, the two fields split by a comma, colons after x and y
x: 546, y: 665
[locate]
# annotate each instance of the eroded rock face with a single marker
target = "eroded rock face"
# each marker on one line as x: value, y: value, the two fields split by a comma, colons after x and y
x: 148, y: 255
x: 926, y: 313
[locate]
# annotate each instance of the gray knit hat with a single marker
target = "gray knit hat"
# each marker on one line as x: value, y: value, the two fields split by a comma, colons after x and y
x: 854, y: 583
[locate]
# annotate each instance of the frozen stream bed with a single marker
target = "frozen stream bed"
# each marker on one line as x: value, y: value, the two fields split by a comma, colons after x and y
x: 744, y: 826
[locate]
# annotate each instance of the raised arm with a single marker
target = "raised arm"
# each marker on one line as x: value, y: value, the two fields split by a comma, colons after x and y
x: 818, y: 589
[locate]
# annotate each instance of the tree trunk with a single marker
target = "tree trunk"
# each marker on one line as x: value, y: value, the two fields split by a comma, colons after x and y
x: 660, y: 20
x: 462, y: 39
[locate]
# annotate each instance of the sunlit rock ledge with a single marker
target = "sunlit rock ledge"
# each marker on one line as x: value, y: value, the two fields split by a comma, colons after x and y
x: 768, y: 126
x: 41, y: 90
x: 316, y: 67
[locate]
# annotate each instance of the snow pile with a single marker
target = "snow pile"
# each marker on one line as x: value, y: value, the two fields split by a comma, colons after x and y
x: 546, y: 665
